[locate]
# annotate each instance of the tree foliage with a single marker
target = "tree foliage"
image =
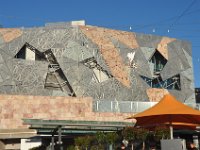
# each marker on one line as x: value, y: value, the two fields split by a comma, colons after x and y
x: 129, y: 133
x: 161, y: 132
x: 100, y: 137
x: 83, y: 142
x: 111, y: 137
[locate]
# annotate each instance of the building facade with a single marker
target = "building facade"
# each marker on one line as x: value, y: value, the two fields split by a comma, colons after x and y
x: 73, y: 59
x: 76, y: 72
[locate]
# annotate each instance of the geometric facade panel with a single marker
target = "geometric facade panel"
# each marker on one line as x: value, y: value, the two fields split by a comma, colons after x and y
x: 91, y: 61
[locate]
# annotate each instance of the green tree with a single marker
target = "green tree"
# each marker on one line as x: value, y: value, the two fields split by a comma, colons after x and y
x: 71, y: 147
x: 111, y: 138
x: 129, y: 133
x: 142, y: 134
x: 79, y: 142
x: 83, y: 142
x: 161, y: 132
x: 87, y: 142
x: 100, y: 137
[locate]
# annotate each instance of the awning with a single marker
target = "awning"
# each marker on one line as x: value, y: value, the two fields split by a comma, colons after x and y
x: 74, y: 127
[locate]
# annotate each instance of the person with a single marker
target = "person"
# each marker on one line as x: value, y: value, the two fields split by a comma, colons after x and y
x: 192, y: 147
x: 123, y: 146
x: 153, y: 148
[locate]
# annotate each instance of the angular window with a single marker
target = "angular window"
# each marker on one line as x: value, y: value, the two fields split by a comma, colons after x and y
x: 56, y: 79
x: 28, y: 52
x: 158, y: 62
x: 100, y: 74
x: 172, y: 83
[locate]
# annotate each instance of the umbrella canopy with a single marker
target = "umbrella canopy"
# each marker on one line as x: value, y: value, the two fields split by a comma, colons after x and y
x: 167, y: 111
x: 170, y: 112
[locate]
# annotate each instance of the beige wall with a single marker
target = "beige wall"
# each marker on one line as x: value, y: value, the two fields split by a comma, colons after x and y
x: 15, y: 107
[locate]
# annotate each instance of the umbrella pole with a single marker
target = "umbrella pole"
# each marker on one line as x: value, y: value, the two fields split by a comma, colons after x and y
x: 171, y: 132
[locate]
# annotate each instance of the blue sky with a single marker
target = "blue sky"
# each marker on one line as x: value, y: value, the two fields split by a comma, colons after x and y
x: 173, y: 18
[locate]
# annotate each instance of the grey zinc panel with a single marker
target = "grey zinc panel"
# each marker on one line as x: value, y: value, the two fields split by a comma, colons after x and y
x: 148, y: 52
x: 123, y: 50
x: 185, y: 92
x: 175, y: 50
x: 178, y: 94
x: 188, y: 75
x: 32, y: 37
x: 1, y: 40
x: 45, y: 39
x: 173, y: 67
x: 76, y: 51
x: 78, y: 89
x: 114, y: 90
x: 1, y: 79
x: 133, y: 78
x: 188, y: 57
x: 79, y: 75
x: 123, y: 94
x: 147, y: 40
x: 182, y: 96
x: 110, y: 89
x: 58, y: 34
x: 138, y: 81
x: 82, y: 38
x: 11, y: 49
x: 6, y: 89
x: 142, y: 64
x: 59, y: 93
x: 1, y: 58
x: 65, y: 62
x: 58, y: 46
x: 184, y: 62
x: 5, y: 72
x: 187, y: 86
x: 138, y: 88
x: 15, y: 45
x: 177, y: 61
x: 33, y: 82
x: 100, y: 91
x: 6, y: 55
x: 8, y: 82
x: 91, y: 47
x: 140, y: 94
x: 101, y: 62
x: 80, y: 79
x: 187, y: 47
x: 191, y: 99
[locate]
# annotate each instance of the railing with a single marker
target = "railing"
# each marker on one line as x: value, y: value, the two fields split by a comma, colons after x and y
x: 128, y: 106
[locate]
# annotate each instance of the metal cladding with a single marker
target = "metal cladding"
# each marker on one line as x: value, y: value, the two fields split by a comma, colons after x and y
x: 79, y: 60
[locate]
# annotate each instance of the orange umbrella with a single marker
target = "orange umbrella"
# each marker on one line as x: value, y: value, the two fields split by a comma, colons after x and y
x: 170, y: 111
